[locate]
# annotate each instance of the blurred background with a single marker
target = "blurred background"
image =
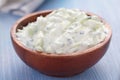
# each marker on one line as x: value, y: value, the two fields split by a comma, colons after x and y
x: 12, y: 68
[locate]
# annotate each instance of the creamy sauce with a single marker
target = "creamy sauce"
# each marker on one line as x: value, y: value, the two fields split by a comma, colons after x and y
x: 63, y: 31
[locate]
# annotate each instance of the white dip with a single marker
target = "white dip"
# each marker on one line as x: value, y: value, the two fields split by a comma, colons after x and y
x: 63, y: 31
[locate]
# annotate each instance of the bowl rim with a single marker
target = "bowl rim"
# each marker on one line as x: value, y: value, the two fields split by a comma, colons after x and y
x: 34, y: 52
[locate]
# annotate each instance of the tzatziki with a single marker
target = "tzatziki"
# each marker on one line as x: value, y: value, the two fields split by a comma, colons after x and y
x: 63, y: 31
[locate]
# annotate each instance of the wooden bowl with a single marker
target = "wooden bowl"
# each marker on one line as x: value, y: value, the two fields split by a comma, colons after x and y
x: 53, y: 64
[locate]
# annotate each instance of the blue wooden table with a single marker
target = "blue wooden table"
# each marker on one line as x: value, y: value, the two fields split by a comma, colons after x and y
x: 108, y: 68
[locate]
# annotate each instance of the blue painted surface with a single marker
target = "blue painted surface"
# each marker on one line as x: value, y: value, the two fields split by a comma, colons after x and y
x: 108, y: 68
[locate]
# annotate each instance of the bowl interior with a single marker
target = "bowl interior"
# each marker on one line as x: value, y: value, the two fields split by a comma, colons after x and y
x: 32, y: 17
